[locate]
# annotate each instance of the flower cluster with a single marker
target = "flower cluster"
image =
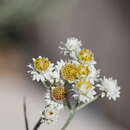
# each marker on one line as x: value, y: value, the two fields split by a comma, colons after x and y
x: 73, y: 82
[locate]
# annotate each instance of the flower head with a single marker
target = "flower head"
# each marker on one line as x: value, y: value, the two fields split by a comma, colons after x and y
x: 84, y: 70
x: 70, y: 72
x: 50, y: 114
x: 84, y: 85
x: 41, y: 64
x: 58, y: 93
x: 42, y: 69
x: 86, y: 55
x: 73, y: 44
x: 71, y: 47
x: 85, y: 91
x: 110, y: 88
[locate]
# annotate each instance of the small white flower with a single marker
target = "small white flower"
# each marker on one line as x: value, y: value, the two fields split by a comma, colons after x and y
x: 71, y: 47
x: 84, y: 90
x: 41, y: 75
x: 50, y: 114
x: 110, y: 87
x: 88, y: 97
x: 73, y: 44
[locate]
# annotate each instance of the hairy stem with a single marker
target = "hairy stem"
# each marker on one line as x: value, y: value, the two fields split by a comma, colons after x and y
x: 71, y: 116
x: 38, y: 124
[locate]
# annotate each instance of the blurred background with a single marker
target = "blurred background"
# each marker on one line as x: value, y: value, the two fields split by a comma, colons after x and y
x: 29, y: 28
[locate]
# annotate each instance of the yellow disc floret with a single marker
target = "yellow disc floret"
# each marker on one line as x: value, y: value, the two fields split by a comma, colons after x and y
x: 84, y: 85
x: 70, y: 72
x: 84, y: 70
x: 41, y: 64
x: 58, y: 93
x: 86, y: 55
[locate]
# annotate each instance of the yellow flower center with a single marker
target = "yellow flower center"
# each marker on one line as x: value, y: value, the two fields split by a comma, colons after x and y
x: 86, y: 55
x: 59, y: 93
x: 84, y: 85
x: 41, y: 64
x: 84, y: 70
x: 70, y: 72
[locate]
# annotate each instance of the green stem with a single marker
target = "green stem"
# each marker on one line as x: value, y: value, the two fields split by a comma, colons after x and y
x: 71, y: 116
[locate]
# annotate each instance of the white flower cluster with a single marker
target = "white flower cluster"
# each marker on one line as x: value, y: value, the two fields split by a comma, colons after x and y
x: 75, y: 78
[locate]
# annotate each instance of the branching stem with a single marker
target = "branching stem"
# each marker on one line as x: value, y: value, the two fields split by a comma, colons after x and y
x: 71, y: 116
x: 73, y: 111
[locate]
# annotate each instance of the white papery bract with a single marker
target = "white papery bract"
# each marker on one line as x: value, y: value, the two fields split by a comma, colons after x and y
x: 35, y: 75
x: 110, y: 88
x: 94, y: 74
x: 56, y: 72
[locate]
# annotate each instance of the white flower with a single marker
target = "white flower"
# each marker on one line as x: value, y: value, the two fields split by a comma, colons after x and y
x: 50, y: 114
x: 73, y: 44
x: 88, y: 97
x: 71, y: 47
x: 39, y: 75
x: 85, y: 91
x: 110, y: 88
